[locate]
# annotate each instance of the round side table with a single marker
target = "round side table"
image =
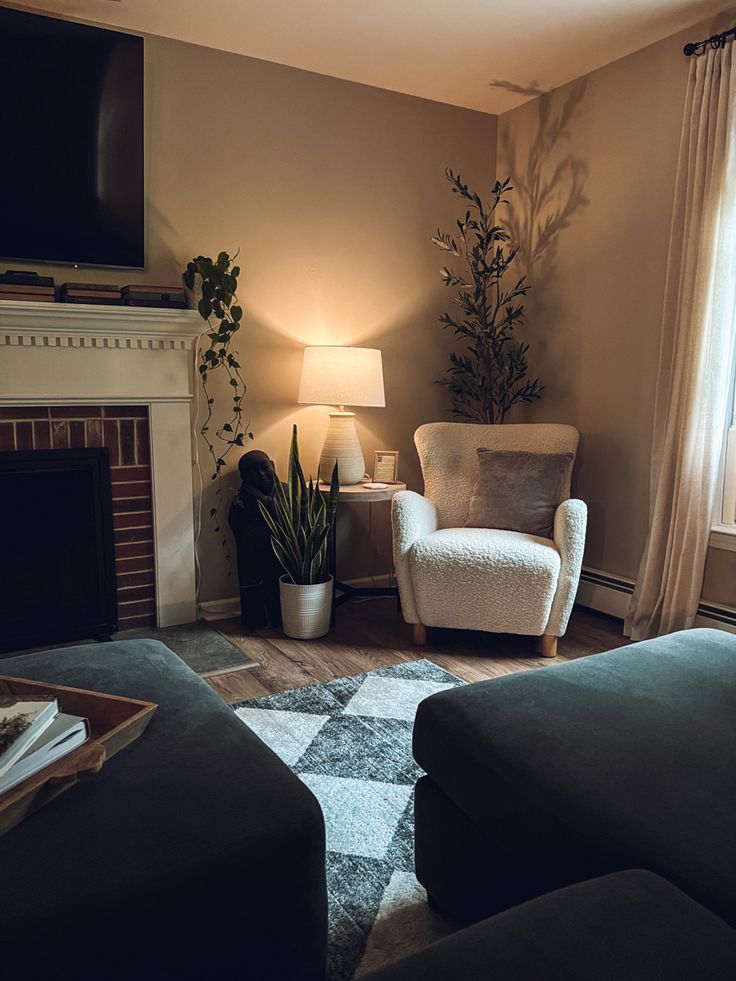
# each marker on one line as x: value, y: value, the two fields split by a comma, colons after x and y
x: 357, y: 494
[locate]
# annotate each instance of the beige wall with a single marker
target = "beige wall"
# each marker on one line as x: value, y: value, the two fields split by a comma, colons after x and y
x: 596, y: 305
x: 331, y: 191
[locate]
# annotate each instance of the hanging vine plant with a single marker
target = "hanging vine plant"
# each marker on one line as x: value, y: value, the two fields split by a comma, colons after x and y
x: 217, y: 282
x: 490, y: 376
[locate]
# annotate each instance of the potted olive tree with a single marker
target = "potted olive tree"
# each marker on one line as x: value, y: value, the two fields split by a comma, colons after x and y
x: 489, y: 376
x: 300, y: 520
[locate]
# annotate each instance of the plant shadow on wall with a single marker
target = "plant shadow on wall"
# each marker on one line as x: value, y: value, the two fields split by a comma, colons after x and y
x: 550, y: 189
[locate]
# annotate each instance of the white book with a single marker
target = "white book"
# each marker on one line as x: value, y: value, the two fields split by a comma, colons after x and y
x: 65, y: 734
x: 22, y: 721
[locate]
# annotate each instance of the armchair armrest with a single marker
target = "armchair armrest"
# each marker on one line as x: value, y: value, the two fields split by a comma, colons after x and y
x: 571, y: 519
x: 412, y: 517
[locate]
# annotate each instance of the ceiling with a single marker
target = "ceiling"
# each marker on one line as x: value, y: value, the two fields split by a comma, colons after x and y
x: 447, y: 50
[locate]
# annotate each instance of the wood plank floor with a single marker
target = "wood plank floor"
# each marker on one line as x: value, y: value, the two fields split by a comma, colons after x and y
x: 371, y: 634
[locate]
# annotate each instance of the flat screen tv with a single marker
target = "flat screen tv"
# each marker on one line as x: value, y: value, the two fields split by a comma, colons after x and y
x: 71, y: 119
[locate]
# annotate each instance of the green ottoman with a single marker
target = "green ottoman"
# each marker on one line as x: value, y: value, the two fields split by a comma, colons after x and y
x: 622, y: 760
x: 194, y: 854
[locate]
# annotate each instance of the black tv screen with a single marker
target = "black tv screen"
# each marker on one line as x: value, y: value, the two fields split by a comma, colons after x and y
x: 71, y: 119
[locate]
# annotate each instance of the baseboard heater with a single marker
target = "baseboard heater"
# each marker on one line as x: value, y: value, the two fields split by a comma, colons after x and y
x: 611, y: 594
x: 610, y: 582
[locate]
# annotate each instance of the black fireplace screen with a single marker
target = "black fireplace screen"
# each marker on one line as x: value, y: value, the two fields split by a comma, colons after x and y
x: 57, y: 570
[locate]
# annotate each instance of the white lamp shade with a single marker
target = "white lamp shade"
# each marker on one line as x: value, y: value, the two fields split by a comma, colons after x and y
x: 342, y: 376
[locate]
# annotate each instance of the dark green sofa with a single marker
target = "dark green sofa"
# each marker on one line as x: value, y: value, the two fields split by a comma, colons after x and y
x: 195, y: 853
x: 631, y: 926
x: 550, y: 777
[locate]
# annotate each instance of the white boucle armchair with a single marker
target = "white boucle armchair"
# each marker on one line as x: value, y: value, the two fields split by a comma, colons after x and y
x: 482, y: 578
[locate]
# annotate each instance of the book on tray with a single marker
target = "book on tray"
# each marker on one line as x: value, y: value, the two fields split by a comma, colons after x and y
x: 66, y: 733
x: 33, y: 734
x: 22, y: 720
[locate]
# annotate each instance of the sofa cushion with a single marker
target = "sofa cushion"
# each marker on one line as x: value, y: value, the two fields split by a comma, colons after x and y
x: 632, y: 925
x: 519, y: 491
x: 634, y: 750
x: 192, y: 846
x: 490, y: 580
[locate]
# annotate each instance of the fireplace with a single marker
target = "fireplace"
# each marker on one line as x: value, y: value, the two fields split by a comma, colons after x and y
x: 57, y: 582
x: 123, y: 430
x: 76, y: 376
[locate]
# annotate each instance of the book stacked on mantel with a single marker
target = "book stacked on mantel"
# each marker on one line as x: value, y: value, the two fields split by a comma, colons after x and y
x: 34, y: 734
x: 99, y: 293
x: 15, y: 284
x: 138, y: 295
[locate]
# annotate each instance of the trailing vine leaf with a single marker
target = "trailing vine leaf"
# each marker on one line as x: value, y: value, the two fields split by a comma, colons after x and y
x: 220, y: 309
x: 490, y: 376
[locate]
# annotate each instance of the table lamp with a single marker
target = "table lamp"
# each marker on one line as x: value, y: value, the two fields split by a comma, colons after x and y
x: 342, y: 376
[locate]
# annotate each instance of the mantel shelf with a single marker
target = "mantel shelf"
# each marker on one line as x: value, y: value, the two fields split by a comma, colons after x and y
x: 28, y: 324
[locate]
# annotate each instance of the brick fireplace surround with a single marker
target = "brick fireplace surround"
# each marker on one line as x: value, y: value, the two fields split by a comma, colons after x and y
x: 123, y: 429
x: 121, y: 377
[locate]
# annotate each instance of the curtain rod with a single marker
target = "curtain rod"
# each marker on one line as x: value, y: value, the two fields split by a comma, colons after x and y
x: 716, y: 41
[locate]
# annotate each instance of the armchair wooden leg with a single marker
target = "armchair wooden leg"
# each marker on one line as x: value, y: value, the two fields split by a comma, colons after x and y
x: 420, y: 634
x: 549, y: 645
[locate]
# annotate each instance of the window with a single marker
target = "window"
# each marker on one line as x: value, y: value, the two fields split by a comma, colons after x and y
x: 728, y: 487
x: 728, y: 509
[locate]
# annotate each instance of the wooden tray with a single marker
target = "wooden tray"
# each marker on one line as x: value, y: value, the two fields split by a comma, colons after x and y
x: 114, y: 723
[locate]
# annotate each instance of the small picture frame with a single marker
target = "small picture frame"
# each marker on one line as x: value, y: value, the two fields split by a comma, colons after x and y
x: 386, y: 466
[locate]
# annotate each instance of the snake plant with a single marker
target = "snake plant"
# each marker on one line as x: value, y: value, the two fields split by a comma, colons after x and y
x: 300, y: 519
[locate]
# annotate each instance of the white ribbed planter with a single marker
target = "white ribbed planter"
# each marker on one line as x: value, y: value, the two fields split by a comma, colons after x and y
x: 305, y: 610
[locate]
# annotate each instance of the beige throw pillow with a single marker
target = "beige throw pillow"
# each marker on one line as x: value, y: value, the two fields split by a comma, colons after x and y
x: 518, y: 491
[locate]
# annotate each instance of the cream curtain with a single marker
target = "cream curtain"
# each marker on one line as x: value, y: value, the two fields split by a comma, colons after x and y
x: 695, y: 364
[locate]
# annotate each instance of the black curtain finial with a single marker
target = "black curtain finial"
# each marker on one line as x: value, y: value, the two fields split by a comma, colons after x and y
x: 714, y: 41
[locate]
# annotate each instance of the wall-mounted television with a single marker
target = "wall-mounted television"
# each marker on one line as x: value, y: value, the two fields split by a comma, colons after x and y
x: 71, y: 125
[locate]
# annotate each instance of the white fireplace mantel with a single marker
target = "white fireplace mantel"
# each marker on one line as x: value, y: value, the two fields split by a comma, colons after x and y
x: 66, y: 354
x: 81, y: 325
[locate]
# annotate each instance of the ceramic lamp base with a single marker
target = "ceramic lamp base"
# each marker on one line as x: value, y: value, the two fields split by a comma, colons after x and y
x: 342, y: 445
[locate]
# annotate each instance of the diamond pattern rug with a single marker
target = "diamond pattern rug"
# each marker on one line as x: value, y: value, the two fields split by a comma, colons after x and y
x: 349, y: 740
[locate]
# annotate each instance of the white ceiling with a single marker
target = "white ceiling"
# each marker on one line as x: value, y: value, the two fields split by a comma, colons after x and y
x: 447, y: 50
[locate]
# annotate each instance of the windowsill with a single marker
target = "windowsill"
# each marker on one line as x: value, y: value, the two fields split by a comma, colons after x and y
x: 723, y: 537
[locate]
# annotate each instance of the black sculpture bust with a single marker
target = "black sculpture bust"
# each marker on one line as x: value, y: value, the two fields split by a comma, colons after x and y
x: 258, y: 568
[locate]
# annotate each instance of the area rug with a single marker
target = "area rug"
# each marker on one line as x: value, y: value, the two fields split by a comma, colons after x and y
x: 200, y: 646
x: 349, y: 740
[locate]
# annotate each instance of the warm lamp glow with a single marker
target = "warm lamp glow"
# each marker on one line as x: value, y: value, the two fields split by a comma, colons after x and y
x: 342, y: 376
